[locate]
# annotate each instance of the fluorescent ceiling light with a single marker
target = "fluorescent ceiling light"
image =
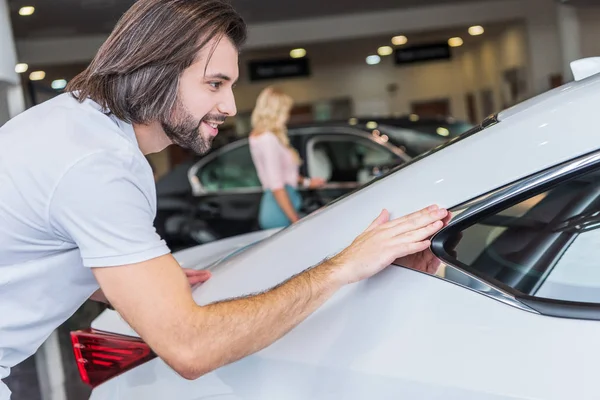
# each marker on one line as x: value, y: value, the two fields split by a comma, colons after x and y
x: 59, y: 84
x: 25, y: 11
x: 385, y: 51
x: 297, y: 53
x: 455, y: 42
x: 37, y: 75
x: 443, y: 131
x: 20, y: 68
x: 399, y: 40
x: 373, y: 59
x: 476, y: 30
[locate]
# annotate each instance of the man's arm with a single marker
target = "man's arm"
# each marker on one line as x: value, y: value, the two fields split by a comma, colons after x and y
x: 155, y: 298
x: 193, y: 276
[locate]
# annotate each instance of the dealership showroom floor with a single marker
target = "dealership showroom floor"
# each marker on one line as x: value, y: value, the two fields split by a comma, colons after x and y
x: 483, y: 107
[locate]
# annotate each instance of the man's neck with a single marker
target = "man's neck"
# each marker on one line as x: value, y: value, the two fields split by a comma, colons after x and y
x: 151, y: 138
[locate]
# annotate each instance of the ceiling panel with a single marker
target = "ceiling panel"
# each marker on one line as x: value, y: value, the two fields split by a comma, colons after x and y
x: 69, y: 17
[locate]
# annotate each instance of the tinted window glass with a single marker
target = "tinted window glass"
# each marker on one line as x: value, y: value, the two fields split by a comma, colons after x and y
x: 546, y: 246
x: 230, y: 170
x: 340, y: 159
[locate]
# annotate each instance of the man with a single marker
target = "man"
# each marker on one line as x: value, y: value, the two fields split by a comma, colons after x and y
x: 77, y: 199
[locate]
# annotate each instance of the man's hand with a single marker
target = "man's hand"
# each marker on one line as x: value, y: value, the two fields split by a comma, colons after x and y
x: 155, y: 298
x: 385, y: 241
x: 194, y: 277
x: 424, y: 261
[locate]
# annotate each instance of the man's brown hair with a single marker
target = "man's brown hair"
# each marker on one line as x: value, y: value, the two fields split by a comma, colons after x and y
x: 135, y: 73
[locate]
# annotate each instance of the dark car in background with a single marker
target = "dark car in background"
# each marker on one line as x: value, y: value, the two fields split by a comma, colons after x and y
x: 413, y: 133
x: 218, y: 195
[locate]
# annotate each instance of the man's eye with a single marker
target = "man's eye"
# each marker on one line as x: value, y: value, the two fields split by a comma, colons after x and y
x: 215, y: 84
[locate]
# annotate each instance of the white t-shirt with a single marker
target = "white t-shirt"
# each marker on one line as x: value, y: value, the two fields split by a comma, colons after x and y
x: 75, y: 192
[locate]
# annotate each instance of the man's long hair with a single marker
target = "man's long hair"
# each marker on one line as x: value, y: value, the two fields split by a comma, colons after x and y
x: 135, y: 73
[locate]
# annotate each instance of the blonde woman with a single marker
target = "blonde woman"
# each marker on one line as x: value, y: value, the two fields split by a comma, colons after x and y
x: 276, y: 161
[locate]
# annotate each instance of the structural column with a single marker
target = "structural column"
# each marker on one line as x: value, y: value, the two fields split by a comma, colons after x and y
x: 11, y: 94
x: 570, y: 38
x: 543, y: 44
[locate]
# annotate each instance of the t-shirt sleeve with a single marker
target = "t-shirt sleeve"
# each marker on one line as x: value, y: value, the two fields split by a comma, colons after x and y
x: 103, y: 205
x: 272, y: 168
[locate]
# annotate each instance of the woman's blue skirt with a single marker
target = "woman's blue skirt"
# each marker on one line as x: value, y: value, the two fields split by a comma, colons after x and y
x: 270, y: 215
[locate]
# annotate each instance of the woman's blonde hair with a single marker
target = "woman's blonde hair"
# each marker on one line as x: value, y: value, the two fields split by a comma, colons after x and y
x: 271, y: 114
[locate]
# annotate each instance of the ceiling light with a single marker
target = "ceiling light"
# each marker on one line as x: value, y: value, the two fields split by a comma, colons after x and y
x: 455, y: 42
x: 399, y: 40
x: 443, y: 131
x: 372, y: 125
x: 297, y: 53
x: 20, y: 68
x: 37, y: 75
x: 59, y: 84
x: 385, y: 51
x: 373, y: 59
x: 476, y: 30
x: 413, y: 117
x: 25, y: 11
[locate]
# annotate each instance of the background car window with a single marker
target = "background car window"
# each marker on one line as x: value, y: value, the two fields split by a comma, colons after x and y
x: 348, y: 159
x: 231, y: 169
x: 546, y: 246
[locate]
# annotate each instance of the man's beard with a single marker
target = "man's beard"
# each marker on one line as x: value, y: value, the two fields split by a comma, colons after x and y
x: 184, y: 130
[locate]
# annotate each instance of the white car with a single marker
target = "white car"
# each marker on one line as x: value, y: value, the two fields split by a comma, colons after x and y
x: 512, y: 313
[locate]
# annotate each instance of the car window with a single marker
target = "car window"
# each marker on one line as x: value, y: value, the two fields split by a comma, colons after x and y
x: 545, y: 246
x: 341, y: 158
x: 231, y: 169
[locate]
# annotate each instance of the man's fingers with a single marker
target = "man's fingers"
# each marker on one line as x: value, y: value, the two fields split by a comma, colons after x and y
x: 447, y: 219
x: 418, y: 222
x: 382, y: 218
x: 195, y: 277
x: 406, y: 249
x: 414, y: 215
x: 422, y: 233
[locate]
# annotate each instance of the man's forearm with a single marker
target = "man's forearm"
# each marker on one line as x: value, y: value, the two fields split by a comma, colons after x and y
x: 232, y: 329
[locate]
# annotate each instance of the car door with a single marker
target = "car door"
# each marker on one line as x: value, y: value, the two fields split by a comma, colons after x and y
x: 346, y: 160
x: 226, y: 190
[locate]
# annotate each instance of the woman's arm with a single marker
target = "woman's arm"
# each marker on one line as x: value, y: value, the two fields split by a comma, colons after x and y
x: 284, y: 202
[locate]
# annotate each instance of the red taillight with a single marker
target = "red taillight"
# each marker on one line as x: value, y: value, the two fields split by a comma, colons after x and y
x: 101, y: 356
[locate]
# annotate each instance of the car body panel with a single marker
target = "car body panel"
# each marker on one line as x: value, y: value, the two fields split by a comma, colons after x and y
x: 399, y: 333
x: 402, y: 332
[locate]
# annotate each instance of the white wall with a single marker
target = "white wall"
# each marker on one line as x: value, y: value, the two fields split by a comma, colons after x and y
x: 589, y: 18
x: 472, y: 69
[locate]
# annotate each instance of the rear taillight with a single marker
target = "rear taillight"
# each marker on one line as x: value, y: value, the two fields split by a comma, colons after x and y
x: 101, y: 356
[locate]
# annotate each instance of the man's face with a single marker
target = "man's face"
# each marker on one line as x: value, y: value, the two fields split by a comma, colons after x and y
x: 205, y: 97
